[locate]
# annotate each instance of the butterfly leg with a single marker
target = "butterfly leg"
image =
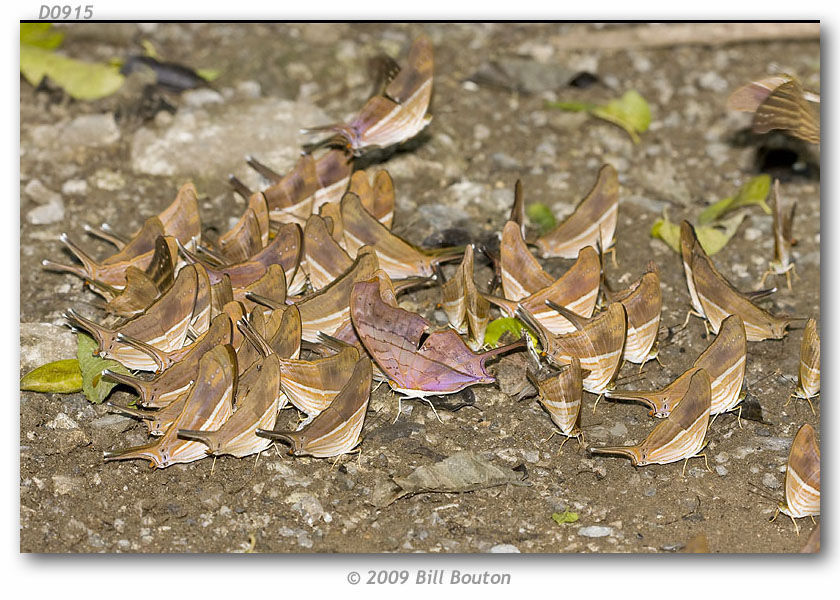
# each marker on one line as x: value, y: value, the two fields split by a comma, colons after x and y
x: 795, y: 525
x: 808, y: 400
x: 432, y: 406
x: 596, y: 402
x: 739, y: 417
x: 764, y: 277
x: 544, y: 440
x: 213, y: 467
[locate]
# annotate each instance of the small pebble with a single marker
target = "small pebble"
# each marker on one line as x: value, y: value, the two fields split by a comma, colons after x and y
x: 504, y: 549
x: 721, y: 470
x: 595, y: 531
x: 770, y: 481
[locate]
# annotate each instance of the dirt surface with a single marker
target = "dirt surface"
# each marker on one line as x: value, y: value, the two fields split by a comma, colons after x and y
x: 119, y: 160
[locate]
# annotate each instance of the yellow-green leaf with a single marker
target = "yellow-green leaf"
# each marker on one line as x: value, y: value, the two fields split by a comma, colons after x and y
x: 40, y: 35
x: 81, y: 80
x: 541, y: 215
x: 565, y: 517
x: 755, y: 191
x: 711, y: 237
x: 149, y: 49
x: 208, y: 74
x: 498, y: 327
x: 58, y: 377
x: 95, y: 387
x: 631, y: 112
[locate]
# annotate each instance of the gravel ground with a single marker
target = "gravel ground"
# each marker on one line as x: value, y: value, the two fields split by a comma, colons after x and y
x: 121, y: 159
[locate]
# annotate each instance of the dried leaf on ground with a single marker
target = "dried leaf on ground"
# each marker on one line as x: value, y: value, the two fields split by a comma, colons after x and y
x: 712, y: 237
x: 631, y: 112
x: 565, y: 517
x: 462, y: 472
x: 58, y: 377
x: 81, y: 80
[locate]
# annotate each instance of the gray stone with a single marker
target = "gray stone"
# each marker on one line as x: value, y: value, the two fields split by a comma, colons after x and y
x: 201, y: 97
x: 505, y: 161
x: 214, y: 139
x: 618, y: 429
x: 74, y: 187
x: 61, y: 421
x: 504, y: 549
x: 41, y: 343
x: 650, y: 492
x: 91, y: 131
x: 721, y: 470
x: 774, y: 444
x: 47, y: 214
x: 64, y: 484
x: 307, y: 505
x: 770, y: 481
x: 595, y: 531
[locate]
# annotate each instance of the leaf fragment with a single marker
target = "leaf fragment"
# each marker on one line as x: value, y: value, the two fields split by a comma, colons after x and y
x: 631, y: 112
x: 81, y: 80
x: 565, y: 517
x: 57, y: 377
x: 499, y: 327
x: 754, y: 191
x: 712, y: 237
x: 208, y: 74
x: 40, y: 35
x: 541, y: 215
x: 93, y: 385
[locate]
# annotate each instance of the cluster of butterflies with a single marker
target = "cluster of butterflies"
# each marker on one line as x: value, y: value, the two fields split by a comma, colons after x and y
x: 312, y: 266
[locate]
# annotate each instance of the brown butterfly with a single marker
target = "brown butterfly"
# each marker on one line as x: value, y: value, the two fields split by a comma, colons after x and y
x: 397, y: 115
x: 802, y: 479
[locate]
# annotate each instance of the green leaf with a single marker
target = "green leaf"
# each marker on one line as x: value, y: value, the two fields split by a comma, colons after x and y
x: 565, y: 517
x: 81, y: 80
x: 40, y: 35
x: 541, y: 215
x: 94, y: 386
x: 714, y: 237
x: 572, y: 106
x: 755, y: 191
x: 208, y: 74
x: 631, y: 112
x: 58, y: 377
x: 711, y: 237
x: 498, y: 327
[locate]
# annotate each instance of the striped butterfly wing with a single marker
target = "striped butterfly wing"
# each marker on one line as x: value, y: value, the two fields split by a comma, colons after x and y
x: 787, y: 109
x: 725, y: 360
x: 802, y: 480
x: 809, y: 361
x: 683, y: 433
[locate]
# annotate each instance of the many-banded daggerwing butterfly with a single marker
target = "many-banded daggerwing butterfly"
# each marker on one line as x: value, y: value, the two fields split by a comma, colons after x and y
x: 143, y: 287
x: 597, y: 342
x: 209, y: 404
x: 418, y: 360
x: 164, y: 325
x: 779, y: 102
x: 257, y: 402
x: 378, y: 199
x: 681, y: 436
x: 802, y: 479
x: 397, y: 257
x: 138, y: 252
x: 325, y: 259
x: 782, y: 263
x: 714, y: 298
x: 333, y: 171
x: 292, y: 197
x: 467, y: 310
x: 521, y: 274
x: 576, y: 290
x: 157, y: 420
x: 336, y: 430
x: 561, y: 394
x: 175, y: 379
x: 591, y: 224
x: 808, y: 385
x: 311, y: 386
x: 643, y: 303
x: 249, y: 235
x: 328, y: 308
x: 271, y: 287
x: 284, y: 249
x: 399, y: 114
x: 724, y: 360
